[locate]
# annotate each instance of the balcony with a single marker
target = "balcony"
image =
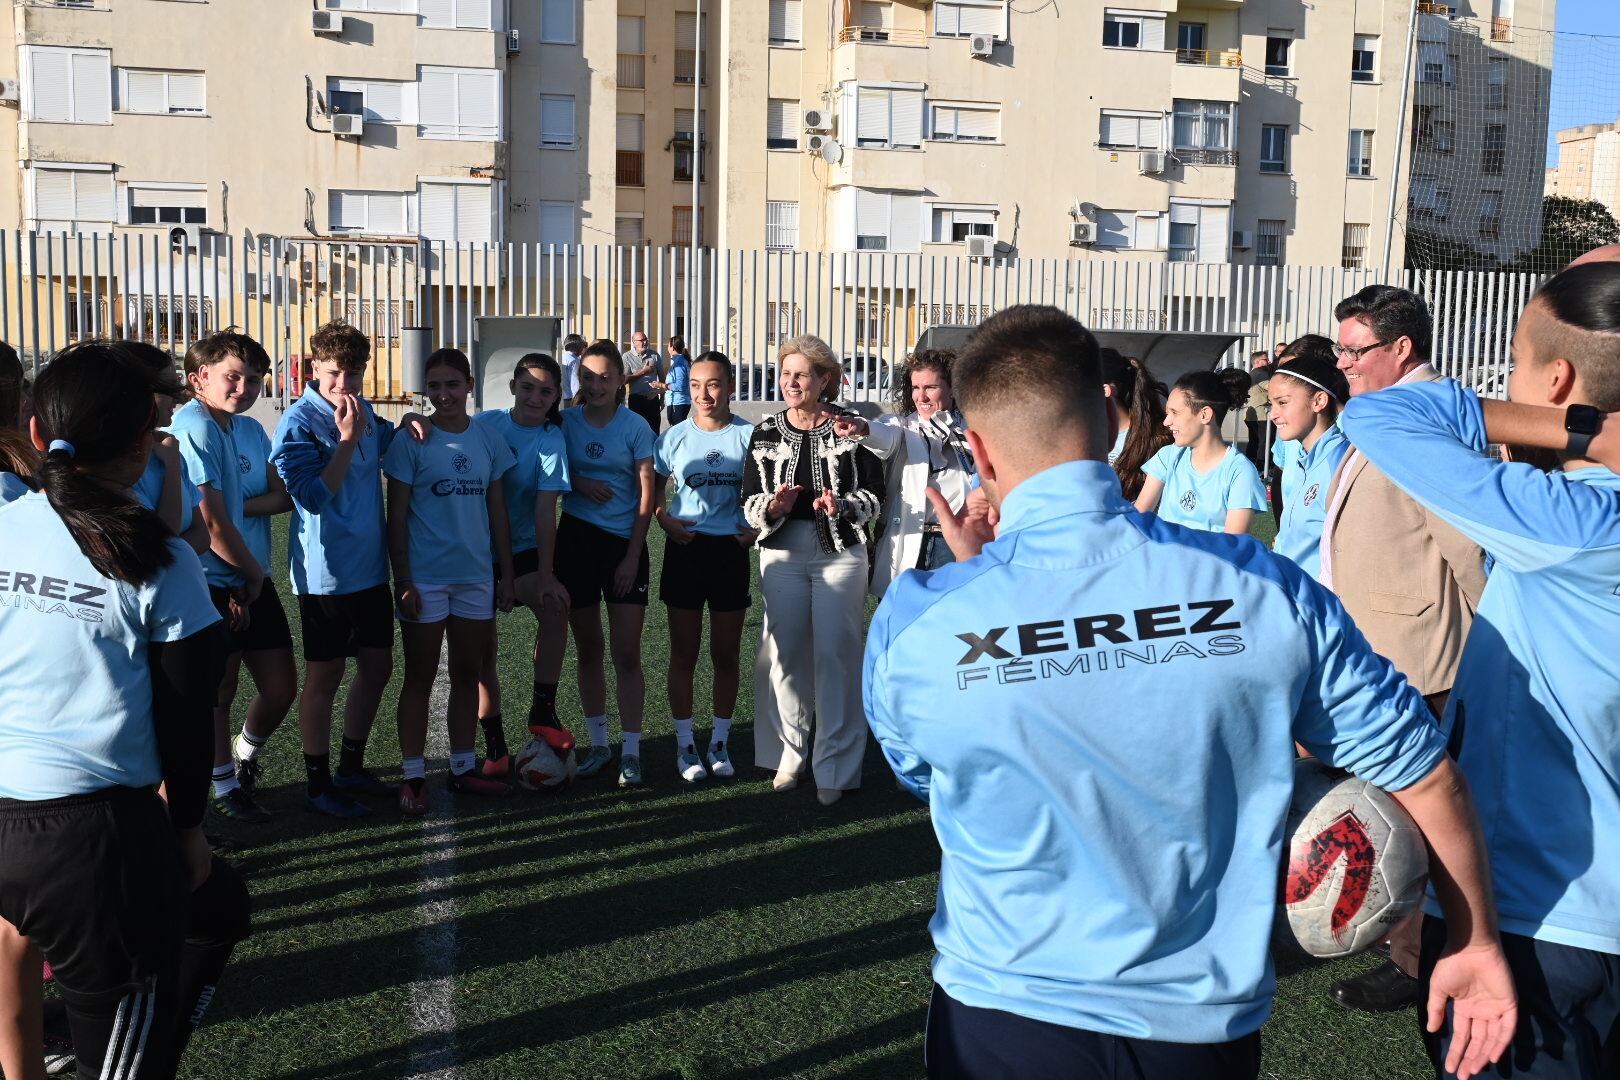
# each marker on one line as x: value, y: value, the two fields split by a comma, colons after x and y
x: 632, y: 71
x: 1501, y: 29
x: 686, y: 63
x: 629, y: 168
x: 881, y: 35
x: 1429, y: 7
x: 1203, y: 155
x: 1231, y: 58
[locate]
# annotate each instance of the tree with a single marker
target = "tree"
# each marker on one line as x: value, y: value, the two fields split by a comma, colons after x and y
x: 1569, y: 227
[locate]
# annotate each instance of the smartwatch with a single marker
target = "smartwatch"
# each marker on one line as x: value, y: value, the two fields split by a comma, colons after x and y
x: 1581, y: 422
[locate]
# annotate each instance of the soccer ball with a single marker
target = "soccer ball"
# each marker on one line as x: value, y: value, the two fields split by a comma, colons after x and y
x: 1356, y: 862
x: 546, y: 762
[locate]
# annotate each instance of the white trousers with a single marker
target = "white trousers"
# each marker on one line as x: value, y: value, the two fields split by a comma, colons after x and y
x: 808, y: 671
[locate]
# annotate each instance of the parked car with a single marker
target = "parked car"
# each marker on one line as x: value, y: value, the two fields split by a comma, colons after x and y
x: 865, y: 373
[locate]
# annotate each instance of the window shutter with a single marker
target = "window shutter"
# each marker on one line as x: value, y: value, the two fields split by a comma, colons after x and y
x: 437, y: 12
x: 473, y: 14
x: 93, y: 196
x: 1151, y: 132
x: 385, y: 102
x: 1214, y: 233
x: 1113, y: 229
x: 629, y: 132
x: 557, y: 121
x: 1153, y: 34
x: 143, y: 92
x: 436, y: 212
x: 556, y: 223
x: 787, y: 20
x: 628, y: 232
x: 780, y: 119
x: 50, y: 96
x: 1147, y: 232
x: 92, y: 87
x: 437, y: 103
x: 978, y: 124
x: 873, y: 121
x: 557, y: 21
x: 877, y: 13
x: 478, y: 103
x: 905, y: 223
x: 980, y: 20
x: 186, y: 93
x: 344, y: 210
x: 871, y: 213
x: 686, y: 30
x: 53, y: 196
x: 632, y: 34
x: 388, y: 212
x: 907, y: 117
x: 683, y: 123
x: 473, y: 213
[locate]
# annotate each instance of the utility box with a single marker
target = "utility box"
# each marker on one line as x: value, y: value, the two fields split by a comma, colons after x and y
x: 499, y: 342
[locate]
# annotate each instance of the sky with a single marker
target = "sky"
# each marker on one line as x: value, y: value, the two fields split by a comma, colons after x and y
x: 1586, y: 70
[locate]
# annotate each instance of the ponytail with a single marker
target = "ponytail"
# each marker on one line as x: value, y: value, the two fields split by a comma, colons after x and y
x: 93, y: 404
x: 11, y: 387
x: 1141, y: 397
x: 1221, y: 391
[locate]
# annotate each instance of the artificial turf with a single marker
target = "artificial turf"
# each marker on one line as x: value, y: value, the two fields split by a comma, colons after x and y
x: 719, y: 930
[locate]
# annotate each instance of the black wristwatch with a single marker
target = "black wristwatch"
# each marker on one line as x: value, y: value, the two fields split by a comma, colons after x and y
x: 1582, y: 422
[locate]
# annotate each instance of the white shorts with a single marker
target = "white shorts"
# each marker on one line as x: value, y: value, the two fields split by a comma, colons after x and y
x: 439, y: 602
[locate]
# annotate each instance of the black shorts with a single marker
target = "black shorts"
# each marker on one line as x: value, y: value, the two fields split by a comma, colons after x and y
x: 711, y: 570
x: 267, y: 621
x: 523, y: 562
x: 586, y: 559
x: 341, y: 624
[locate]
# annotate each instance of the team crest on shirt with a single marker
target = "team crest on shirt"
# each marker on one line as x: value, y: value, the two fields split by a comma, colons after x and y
x: 595, y: 450
x: 713, y: 457
x: 460, y: 463
x: 243, y: 464
x: 1189, y: 501
x: 1311, y: 493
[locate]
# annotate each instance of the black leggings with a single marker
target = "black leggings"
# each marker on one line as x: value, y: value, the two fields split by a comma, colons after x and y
x: 95, y: 882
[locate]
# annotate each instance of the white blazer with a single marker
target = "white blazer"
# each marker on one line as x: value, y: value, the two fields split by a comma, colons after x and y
x: 904, y: 454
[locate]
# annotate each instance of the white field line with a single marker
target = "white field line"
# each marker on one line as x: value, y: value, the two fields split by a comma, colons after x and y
x: 433, y: 1017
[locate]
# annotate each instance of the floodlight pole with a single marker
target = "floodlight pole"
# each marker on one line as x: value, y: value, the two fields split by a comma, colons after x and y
x: 695, y: 273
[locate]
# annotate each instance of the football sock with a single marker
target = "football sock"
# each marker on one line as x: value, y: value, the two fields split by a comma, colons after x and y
x: 352, y: 757
x: 248, y: 746
x: 494, y: 736
x: 224, y: 780
x: 722, y: 729
x: 632, y: 743
x: 599, y: 730
x: 414, y: 768
x: 317, y: 772
x: 683, y: 733
x: 462, y: 761
x: 545, y: 695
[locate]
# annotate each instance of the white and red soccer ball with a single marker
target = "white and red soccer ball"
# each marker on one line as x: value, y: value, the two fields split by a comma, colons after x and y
x: 546, y: 762
x: 1355, y: 865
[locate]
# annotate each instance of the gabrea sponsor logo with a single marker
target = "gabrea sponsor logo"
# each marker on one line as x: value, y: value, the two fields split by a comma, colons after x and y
x: 1109, y: 641
x: 460, y: 485
x: 52, y: 595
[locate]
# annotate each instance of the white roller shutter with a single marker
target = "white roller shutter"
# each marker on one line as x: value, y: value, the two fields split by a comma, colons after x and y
x: 92, y: 87
x: 141, y: 196
x: 1148, y: 229
x: 473, y: 213
x: 53, y: 195
x: 345, y: 210
x: 632, y: 34
x: 873, y: 120
x: 557, y: 21
x: 981, y: 124
x: 50, y: 84
x: 686, y: 30
x: 436, y: 103
x: 436, y: 212
x: 385, y: 102
x: 979, y: 20
x: 186, y: 92
x: 629, y: 132
x: 557, y: 122
x: 556, y: 223
x: 782, y: 119
x: 478, y: 104
x: 1113, y: 228
x: 94, y: 197
x: 474, y: 14
x: 787, y: 21
x: 144, y: 92
x: 905, y: 223
x: 437, y: 12
x: 906, y: 118
x: 871, y: 213
x: 1214, y: 233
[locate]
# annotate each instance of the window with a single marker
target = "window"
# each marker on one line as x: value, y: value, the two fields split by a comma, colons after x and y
x: 556, y: 224
x: 1270, y: 242
x: 1203, y: 132
x: 67, y: 86
x: 681, y: 226
x: 1131, y: 130
x: 381, y: 6
x: 454, y: 14
x: 1364, y: 58
x: 1490, y: 215
x: 964, y: 18
x: 1434, y: 65
x: 1279, y: 47
x: 632, y: 52
x: 375, y: 213
x: 1128, y: 229
x: 1427, y: 200
x: 887, y: 118
x: 629, y: 230
x: 74, y: 199
x: 166, y: 204
x: 964, y: 122
x: 787, y: 22
x: 781, y: 124
x: 1493, y: 150
x: 629, y: 132
x: 557, y: 122
x: 161, y: 92
x: 377, y: 101
x: 1361, y: 148
x: 686, y: 48
x: 1126, y: 29
x: 557, y: 22
x: 782, y: 322
x: 1190, y: 43
x: 1353, y: 255
x: 782, y: 225
x: 954, y: 224
x: 1496, y: 83
x: 459, y: 103
x: 683, y: 143
x: 1274, y: 148
x: 1199, y: 231
x: 877, y: 20
x: 887, y: 221
x: 456, y: 213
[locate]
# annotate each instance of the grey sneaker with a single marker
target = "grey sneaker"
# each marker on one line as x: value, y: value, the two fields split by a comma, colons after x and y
x: 594, y: 760
x: 720, y: 759
x: 629, y: 770
x: 689, y: 765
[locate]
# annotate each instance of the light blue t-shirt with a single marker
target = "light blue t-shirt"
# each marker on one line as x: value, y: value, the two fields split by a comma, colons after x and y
x: 708, y: 470
x: 450, y: 476
x: 1201, y: 500
x: 213, y: 460
x: 541, y: 455
x: 75, y: 689
x: 1119, y: 445
x: 679, y: 381
x: 337, y: 543
x: 1028, y: 695
x: 253, y: 457
x: 1306, y: 478
x: 149, y: 489
x: 12, y: 487
x: 609, y: 454
x: 1534, y: 715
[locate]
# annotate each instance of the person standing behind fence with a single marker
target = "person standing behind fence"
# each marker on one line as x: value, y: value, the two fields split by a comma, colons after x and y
x: 811, y: 493
x: 1411, y: 581
x: 644, y: 367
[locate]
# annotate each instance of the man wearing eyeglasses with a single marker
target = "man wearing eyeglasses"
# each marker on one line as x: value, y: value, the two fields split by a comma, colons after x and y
x: 1410, y: 581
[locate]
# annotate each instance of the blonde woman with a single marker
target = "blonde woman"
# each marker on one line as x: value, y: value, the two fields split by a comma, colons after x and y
x: 810, y: 490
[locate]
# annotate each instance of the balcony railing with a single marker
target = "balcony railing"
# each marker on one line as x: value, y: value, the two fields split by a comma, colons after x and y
x: 1501, y: 29
x: 686, y: 62
x: 1210, y: 57
x: 1201, y: 155
x: 632, y: 71
x: 1428, y: 7
x: 628, y: 169
x: 881, y: 35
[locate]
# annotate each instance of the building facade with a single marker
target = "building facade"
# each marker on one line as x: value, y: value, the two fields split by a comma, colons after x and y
x: 1588, y: 165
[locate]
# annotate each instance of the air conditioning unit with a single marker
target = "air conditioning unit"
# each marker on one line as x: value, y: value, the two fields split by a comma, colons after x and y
x: 514, y: 44
x: 981, y: 247
x: 327, y: 22
x: 981, y: 45
x: 350, y: 124
x: 1150, y: 162
x: 817, y: 120
x: 1082, y: 232
x: 184, y: 238
x: 1242, y: 239
x: 816, y: 143
x: 9, y: 92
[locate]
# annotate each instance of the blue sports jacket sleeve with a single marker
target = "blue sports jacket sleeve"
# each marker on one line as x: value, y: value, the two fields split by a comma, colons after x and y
x: 910, y: 769
x: 299, y: 459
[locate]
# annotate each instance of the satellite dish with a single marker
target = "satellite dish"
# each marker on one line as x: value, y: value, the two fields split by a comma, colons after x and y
x: 1087, y: 209
x: 831, y: 152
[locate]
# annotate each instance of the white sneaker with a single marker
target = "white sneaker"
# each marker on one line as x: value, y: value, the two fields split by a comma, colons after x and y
x: 689, y: 765
x: 720, y: 759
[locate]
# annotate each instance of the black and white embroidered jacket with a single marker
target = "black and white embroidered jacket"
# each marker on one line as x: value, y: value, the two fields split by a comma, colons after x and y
x: 853, y: 472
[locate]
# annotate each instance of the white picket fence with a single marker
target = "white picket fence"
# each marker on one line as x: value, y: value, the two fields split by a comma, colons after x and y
x: 870, y: 306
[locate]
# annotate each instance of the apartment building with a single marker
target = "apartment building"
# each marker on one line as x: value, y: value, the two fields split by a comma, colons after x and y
x: 1588, y: 165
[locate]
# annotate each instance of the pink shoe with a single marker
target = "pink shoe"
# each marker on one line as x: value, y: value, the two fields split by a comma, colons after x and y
x: 413, y: 798
x: 497, y: 768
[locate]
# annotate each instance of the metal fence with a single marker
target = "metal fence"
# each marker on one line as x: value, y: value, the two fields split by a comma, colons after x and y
x: 870, y: 306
